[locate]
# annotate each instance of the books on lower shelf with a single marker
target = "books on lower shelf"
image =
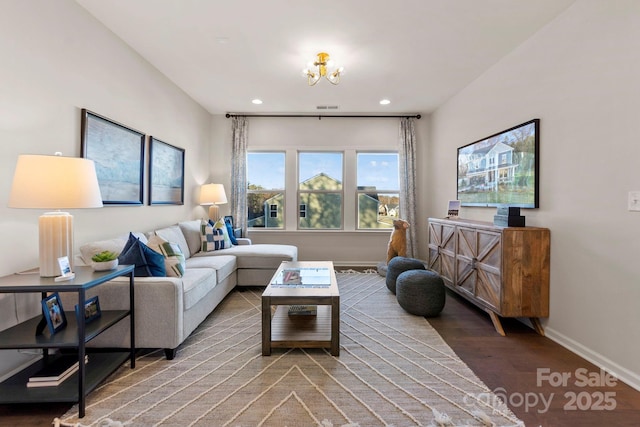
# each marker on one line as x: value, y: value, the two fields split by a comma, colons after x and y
x: 303, y: 310
x: 56, y: 372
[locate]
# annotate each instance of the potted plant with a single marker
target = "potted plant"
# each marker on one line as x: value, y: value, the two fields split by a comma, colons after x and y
x: 105, y: 260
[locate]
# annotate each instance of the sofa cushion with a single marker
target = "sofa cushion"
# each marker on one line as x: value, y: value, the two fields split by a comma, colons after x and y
x: 174, y: 260
x: 174, y: 234
x: 212, y: 238
x: 258, y: 256
x: 191, y: 232
x: 113, y: 245
x: 224, y: 265
x: 147, y: 261
x: 196, y: 283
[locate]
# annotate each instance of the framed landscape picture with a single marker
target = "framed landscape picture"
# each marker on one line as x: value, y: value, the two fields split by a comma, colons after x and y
x: 501, y: 169
x: 118, y: 153
x: 166, y: 173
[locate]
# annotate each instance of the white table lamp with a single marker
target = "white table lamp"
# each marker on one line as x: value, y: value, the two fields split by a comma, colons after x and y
x: 54, y: 182
x: 213, y: 195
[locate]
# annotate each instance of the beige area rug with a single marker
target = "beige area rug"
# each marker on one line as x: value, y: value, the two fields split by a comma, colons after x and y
x: 393, y: 370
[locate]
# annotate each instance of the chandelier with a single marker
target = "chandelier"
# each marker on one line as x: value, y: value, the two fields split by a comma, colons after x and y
x: 322, y: 62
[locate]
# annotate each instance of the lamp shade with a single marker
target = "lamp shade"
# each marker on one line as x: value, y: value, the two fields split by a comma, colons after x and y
x: 212, y: 194
x: 54, y: 182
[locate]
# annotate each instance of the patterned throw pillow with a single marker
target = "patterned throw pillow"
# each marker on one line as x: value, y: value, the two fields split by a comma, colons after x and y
x: 174, y: 260
x: 212, y: 238
x: 220, y: 225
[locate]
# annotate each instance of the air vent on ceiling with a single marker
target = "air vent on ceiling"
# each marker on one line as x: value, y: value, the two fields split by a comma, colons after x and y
x: 327, y: 107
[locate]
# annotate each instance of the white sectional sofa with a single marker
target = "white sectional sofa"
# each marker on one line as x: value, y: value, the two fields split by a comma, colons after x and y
x: 168, y: 309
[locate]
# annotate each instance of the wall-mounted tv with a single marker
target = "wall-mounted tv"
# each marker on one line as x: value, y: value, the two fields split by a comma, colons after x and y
x: 501, y: 169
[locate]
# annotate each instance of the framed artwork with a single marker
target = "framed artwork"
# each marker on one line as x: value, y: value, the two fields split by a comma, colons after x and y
x: 54, y: 313
x: 166, y: 173
x: 91, y: 310
x: 501, y: 169
x: 118, y: 153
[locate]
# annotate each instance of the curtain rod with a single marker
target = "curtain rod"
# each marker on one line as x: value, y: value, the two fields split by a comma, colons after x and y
x: 320, y: 116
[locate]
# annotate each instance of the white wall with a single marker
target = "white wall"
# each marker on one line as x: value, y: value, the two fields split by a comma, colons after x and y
x: 344, y: 247
x: 56, y: 59
x: 579, y: 75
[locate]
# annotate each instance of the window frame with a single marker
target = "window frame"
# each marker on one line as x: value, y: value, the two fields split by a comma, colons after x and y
x: 268, y: 210
x: 291, y: 206
x: 340, y: 192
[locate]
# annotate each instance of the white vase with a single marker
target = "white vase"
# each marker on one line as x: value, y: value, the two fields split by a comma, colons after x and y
x: 104, y: 266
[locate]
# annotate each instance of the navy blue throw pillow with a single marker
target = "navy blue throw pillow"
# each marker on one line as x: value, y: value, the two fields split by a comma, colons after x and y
x: 232, y: 235
x: 147, y: 261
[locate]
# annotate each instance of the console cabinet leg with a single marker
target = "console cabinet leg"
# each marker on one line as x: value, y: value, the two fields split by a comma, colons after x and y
x: 537, y: 326
x: 496, y: 322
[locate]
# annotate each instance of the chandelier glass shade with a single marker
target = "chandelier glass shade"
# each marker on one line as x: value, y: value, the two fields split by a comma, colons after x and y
x: 320, y: 68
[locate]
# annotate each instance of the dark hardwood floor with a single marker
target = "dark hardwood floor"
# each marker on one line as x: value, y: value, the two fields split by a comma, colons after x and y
x: 508, y: 365
x: 525, y: 369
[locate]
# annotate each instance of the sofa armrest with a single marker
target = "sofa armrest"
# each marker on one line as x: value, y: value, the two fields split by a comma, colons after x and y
x: 244, y: 241
x: 159, y: 311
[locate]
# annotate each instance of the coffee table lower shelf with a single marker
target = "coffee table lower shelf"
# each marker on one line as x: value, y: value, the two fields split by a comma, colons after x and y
x: 304, y: 331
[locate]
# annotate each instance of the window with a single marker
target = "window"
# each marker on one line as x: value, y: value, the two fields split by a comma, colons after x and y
x: 265, y: 189
x: 320, y: 190
x: 336, y: 190
x: 378, y: 190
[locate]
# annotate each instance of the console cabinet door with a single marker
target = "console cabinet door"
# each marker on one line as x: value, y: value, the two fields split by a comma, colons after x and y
x: 478, y: 265
x: 442, y: 251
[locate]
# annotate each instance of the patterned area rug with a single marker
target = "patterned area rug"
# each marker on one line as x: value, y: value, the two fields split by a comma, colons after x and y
x: 393, y: 370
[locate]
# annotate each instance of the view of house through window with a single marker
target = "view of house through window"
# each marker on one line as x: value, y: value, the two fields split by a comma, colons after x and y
x: 265, y: 189
x: 322, y: 190
x: 378, y: 190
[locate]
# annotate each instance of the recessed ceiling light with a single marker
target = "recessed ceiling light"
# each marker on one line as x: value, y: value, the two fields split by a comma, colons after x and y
x: 385, y: 102
x: 257, y: 101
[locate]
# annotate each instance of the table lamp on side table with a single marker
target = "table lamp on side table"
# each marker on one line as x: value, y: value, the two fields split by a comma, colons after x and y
x: 54, y: 182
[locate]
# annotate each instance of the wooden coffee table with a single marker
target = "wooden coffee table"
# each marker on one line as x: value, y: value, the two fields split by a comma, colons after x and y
x: 304, y: 331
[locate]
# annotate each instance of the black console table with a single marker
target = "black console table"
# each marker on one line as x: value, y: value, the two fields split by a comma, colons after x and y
x: 74, y: 337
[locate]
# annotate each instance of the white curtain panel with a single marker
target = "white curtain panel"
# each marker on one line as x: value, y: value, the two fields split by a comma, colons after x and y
x: 407, y: 156
x: 240, y: 135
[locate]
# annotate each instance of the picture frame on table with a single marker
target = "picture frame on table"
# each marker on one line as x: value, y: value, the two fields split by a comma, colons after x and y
x: 166, y: 173
x: 118, y: 153
x: 91, y: 310
x: 54, y: 313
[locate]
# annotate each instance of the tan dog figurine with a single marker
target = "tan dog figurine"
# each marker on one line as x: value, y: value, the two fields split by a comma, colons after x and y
x: 398, y: 241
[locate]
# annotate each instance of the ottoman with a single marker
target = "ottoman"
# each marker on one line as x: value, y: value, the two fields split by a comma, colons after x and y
x: 399, y: 265
x: 420, y: 292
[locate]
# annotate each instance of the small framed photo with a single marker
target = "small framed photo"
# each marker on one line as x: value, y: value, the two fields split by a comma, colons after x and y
x: 54, y: 313
x: 91, y: 310
x: 454, y: 209
x: 65, y: 267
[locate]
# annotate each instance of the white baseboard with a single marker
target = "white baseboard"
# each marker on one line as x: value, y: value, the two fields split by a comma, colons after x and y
x: 632, y: 379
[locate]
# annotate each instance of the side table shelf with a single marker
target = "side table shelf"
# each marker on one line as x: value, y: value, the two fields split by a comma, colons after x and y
x: 71, y: 339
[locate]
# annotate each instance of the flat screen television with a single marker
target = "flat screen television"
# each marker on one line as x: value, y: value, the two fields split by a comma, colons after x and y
x: 501, y: 169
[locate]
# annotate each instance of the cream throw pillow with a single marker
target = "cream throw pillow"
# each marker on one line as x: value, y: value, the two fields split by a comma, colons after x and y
x: 174, y: 260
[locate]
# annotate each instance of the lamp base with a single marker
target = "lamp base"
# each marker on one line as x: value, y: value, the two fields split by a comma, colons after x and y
x: 56, y: 240
x: 214, y: 212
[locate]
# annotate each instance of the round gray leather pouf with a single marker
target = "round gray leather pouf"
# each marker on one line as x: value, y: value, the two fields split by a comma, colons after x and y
x: 399, y: 265
x: 420, y: 292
